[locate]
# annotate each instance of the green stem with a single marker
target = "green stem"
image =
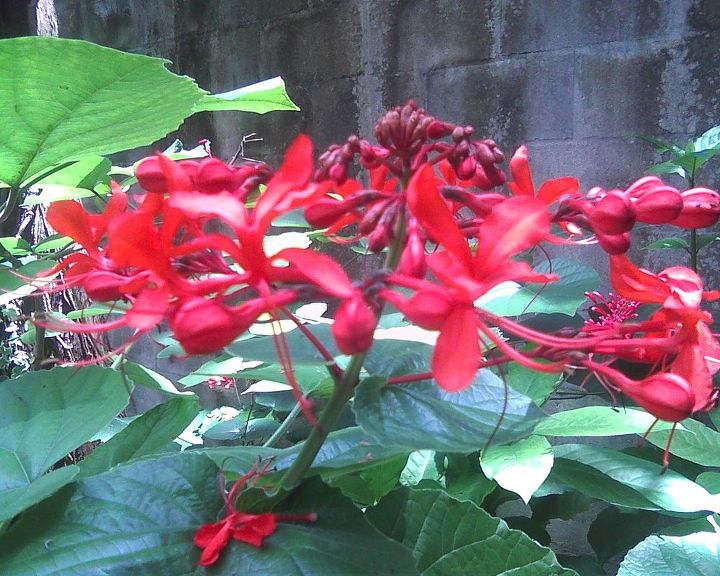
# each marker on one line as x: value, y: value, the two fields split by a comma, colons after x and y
x: 342, y: 392
x: 280, y: 432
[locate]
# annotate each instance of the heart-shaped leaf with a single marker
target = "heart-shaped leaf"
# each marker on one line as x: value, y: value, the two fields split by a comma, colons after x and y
x: 692, y: 555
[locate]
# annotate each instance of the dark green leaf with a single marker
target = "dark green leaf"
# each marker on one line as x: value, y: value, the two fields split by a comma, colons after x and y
x: 67, y: 99
x: 143, y: 376
x: 422, y: 416
x: 536, y: 385
x: 45, y: 415
x: 693, y: 555
x: 465, y: 481
x: 454, y: 538
x: 561, y: 297
x: 369, y: 484
x: 706, y: 239
x: 605, y: 538
x: 659, y: 145
x: 148, y: 434
x: 669, y: 167
x: 629, y: 481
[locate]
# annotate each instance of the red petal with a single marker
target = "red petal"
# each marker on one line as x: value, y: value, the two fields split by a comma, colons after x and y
x: 635, y: 283
x: 319, y: 269
x: 552, y: 190
x: 457, y: 353
x: 354, y: 326
x: 69, y: 218
x: 431, y: 211
x: 213, y: 538
x: 148, y: 310
x: 522, y: 184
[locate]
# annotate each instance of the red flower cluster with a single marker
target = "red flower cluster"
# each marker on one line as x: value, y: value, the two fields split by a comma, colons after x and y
x: 192, y: 253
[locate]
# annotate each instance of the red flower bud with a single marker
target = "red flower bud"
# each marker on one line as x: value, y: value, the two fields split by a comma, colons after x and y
x: 438, y: 129
x: 666, y: 396
x: 203, y: 326
x: 614, y: 244
x: 701, y: 209
x: 659, y: 206
x: 612, y: 215
x: 466, y: 169
x: 214, y: 176
x: 354, y: 326
x: 150, y: 175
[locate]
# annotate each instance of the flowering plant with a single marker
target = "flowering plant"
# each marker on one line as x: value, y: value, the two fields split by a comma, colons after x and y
x: 415, y: 406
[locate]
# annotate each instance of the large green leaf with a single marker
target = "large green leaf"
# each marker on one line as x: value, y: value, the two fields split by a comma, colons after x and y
x: 266, y: 96
x: 625, y: 480
x: 45, y: 415
x: 148, y: 434
x: 561, y: 297
x: 693, y: 555
x: 369, y: 484
x: 65, y: 99
x: 538, y: 386
x: 140, y: 518
x: 423, y: 416
x: 454, y: 538
x: 599, y: 421
x: 607, y: 541
x: 695, y: 442
x: 520, y: 467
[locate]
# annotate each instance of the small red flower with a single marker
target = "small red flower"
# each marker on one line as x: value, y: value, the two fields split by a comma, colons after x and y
x: 252, y: 529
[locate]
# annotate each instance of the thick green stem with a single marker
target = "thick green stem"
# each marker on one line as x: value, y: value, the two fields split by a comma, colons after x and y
x: 343, y: 390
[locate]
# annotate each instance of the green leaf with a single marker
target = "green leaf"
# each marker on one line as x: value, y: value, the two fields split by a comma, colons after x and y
x: 143, y: 376
x: 369, y: 484
x: 708, y: 140
x: 520, y: 467
x: 605, y: 538
x: 598, y: 421
x: 695, y: 442
x: 629, y: 481
x: 85, y: 173
x: 148, y: 434
x: 13, y: 284
x: 52, y: 243
x: 659, y: 145
x: 706, y: 239
x: 561, y: 297
x: 454, y: 538
x: 140, y: 518
x: 424, y: 417
x: 693, y: 555
x: 55, y: 192
x: 45, y: 415
x: 266, y: 96
x: 303, y: 352
x: 668, y: 244
x: 67, y: 99
x: 15, y: 245
x: 465, y: 481
x: 669, y: 167
x: 710, y: 481
x: 536, y: 385
x: 421, y: 465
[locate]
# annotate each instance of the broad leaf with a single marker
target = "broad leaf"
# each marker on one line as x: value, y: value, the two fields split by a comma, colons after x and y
x: 561, y: 297
x: 45, y: 415
x: 369, y: 484
x: 424, y: 417
x: 421, y: 465
x: 143, y: 376
x: 15, y: 245
x: 454, y: 538
x: 266, y: 96
x: 625, y: 480
x: 66, y: 99
x: 605, y: 538
x: 538, y: 386
x: 13, y: 284
x: 599, y: 421
x: 150, y: 433
x: 695, y: 442
x: 693, y: 555
x: 520, y: 467
x: 140, y: 518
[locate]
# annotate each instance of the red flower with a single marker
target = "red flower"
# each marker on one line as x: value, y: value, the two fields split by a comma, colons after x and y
x: 252, y: 529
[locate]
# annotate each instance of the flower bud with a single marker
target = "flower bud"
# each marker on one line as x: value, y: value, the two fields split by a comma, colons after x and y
x: 659, y: 206
x: 701, y: 209
x: 614, y: 244
x: 438, y: 129
x: 150, y: 175
x: 214, y: 176
x: 466, y: 169
x: 354, y: 326
x: 666, y: 396
x: 612, y: 215
x: 203, y: 325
